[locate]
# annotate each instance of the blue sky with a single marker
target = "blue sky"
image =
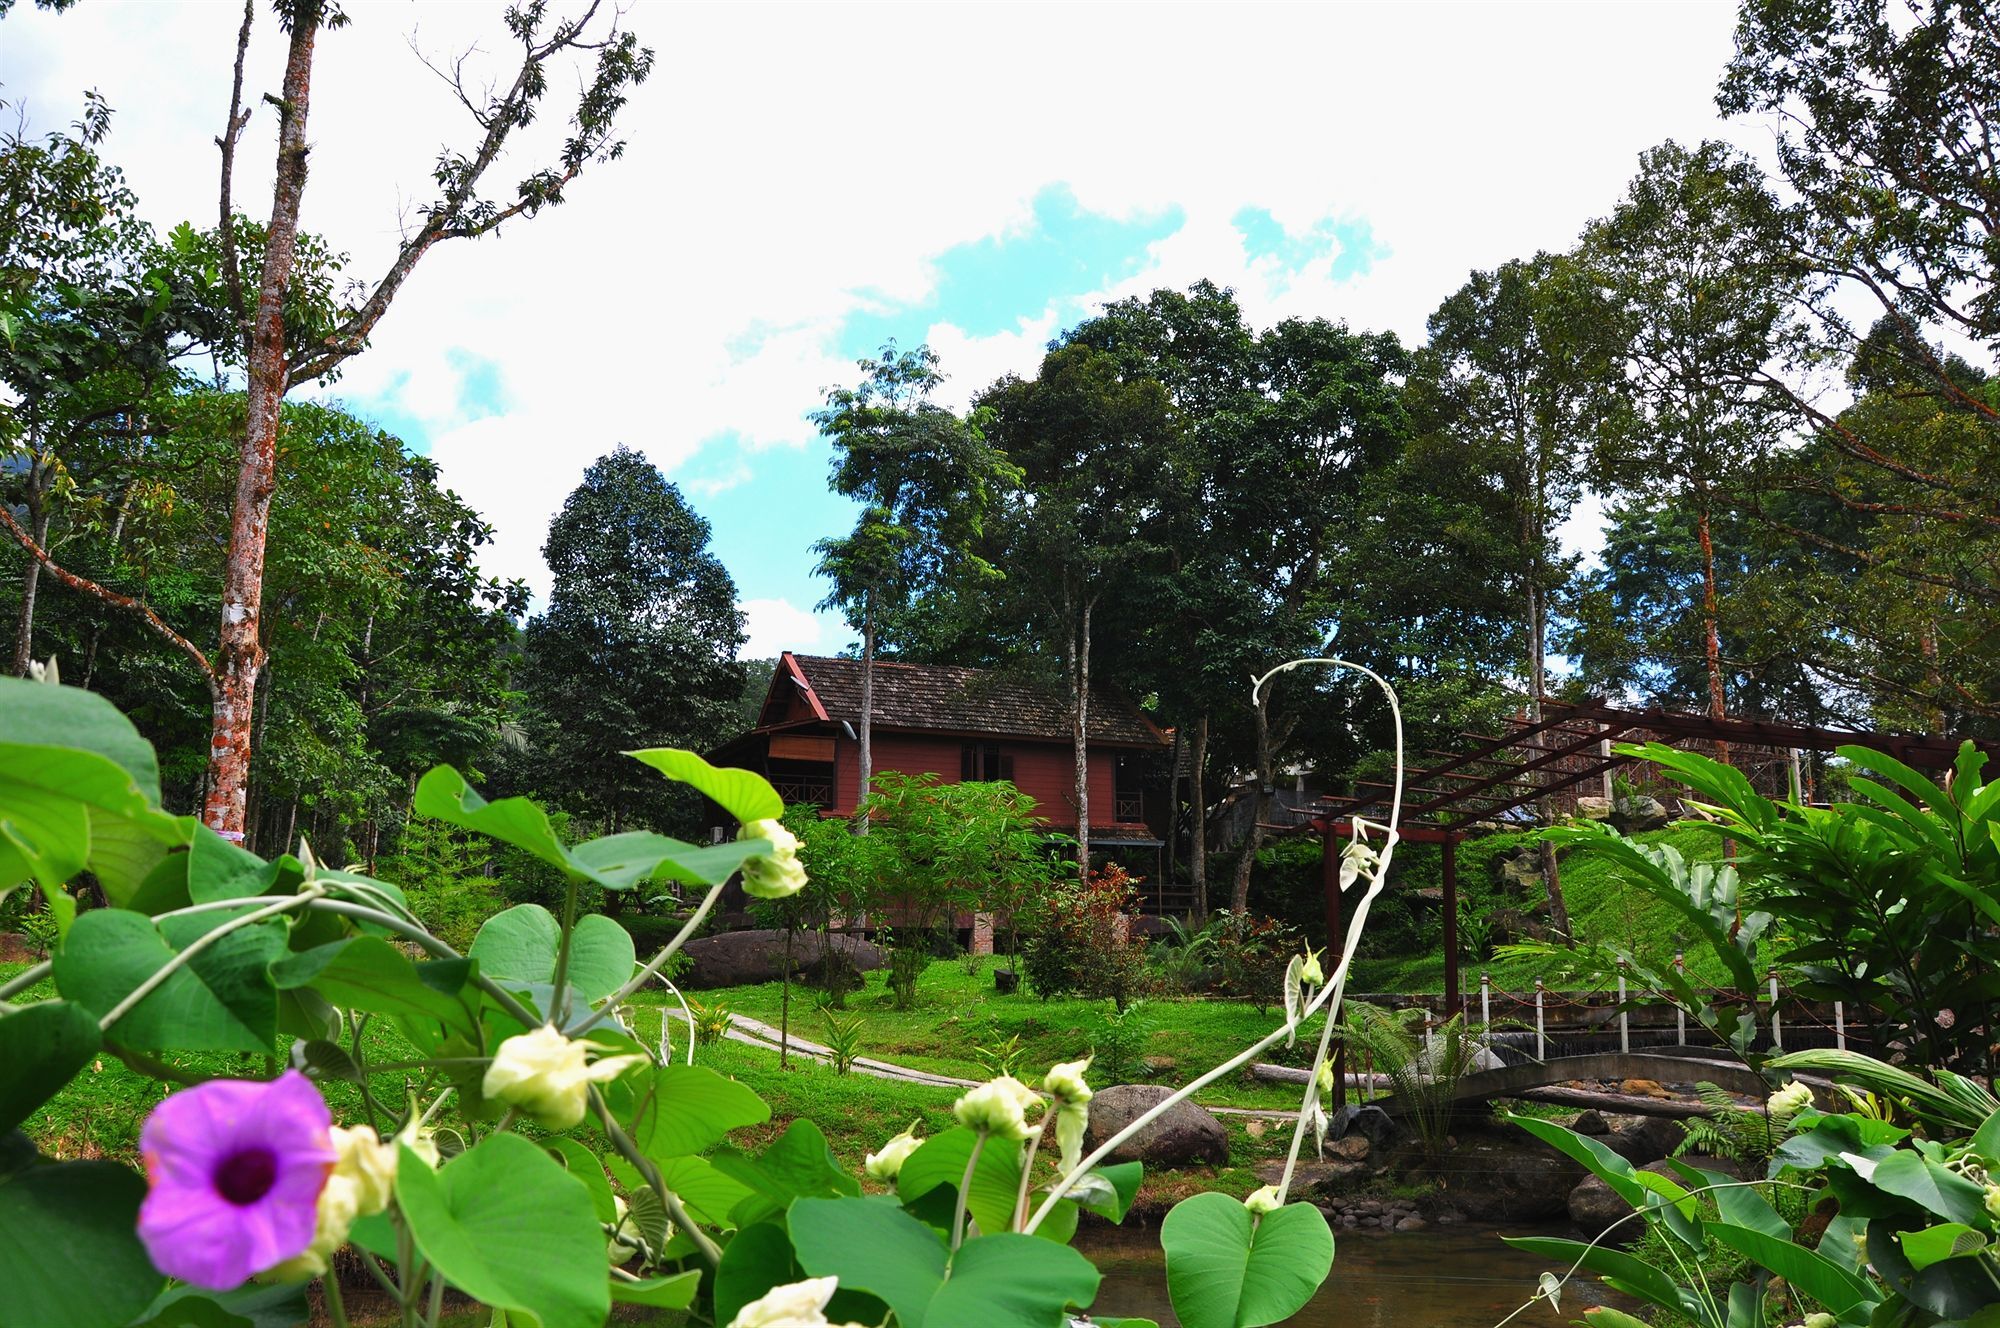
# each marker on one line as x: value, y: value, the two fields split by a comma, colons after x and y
x: 802, y: 183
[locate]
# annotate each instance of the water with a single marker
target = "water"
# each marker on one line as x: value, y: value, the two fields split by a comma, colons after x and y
x: 1443, y: 1277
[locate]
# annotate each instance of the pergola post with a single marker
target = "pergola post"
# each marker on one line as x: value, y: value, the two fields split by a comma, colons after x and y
x: 1454, y: 1001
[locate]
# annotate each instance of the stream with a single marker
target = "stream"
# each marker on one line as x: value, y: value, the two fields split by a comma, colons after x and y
x: 1443, y: 1277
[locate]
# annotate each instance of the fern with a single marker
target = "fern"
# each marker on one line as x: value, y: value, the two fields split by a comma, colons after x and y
x: 1739, y: 1133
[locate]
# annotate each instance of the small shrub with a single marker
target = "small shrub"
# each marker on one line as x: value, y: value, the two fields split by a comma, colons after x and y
x: 1251, y: 954
x: 1000, y: 1058
x: 843, y: 1039
x: 1081, y: 941
x: 711, y: 1022
x: 1118, y: 1047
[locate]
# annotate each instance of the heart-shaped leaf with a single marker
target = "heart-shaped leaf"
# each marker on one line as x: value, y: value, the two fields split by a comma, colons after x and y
x: 72, y: 1257
x: 520, y: 944
x: 41, y: 1045
x: 1229, y: 1268
x: 506, y: 1224
x: 742, y: 793
x: 220, y: 1000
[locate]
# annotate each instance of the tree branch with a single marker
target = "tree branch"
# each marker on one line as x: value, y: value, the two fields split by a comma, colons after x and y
x: 86, y: 586
x: 239, y: 116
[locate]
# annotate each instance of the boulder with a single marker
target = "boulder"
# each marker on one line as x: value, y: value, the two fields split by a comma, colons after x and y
x: 1185, y: 1134
x: 1590, y: 1122
x: 1375, y: 1125
x: 1640, y: 813
x: 1594, y: 809
x: 1350, y: 1147
x: 1501, y: 1173
x: 1652, y: 1137
x: 1595, y: 1207
x: 1522, y: 873
x: 738, y: 958
x: 1642, y: 1088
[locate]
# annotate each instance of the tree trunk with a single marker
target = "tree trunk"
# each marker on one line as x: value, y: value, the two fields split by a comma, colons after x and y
x: 1198, y: 797
x: 867, y: 757
x: 239, y: 650
x: 38, y: 521
x: 1552, y: 882
x: 1260, y: 797
x: 1711, y: 632
x: 1174, y: 798
x: 1080, y: 733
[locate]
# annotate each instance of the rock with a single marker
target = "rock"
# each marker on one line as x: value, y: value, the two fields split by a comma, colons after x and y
x: 1642, y: 1088
x: 736, y: 958
x: 1639, y: 813
x: 1501, y: 1173
x: 1522, y: 873
x: 1350, y: 1148
x: 1375, y: 1125
x: 1411, y: 1223
x: 1590, y: 1122
x: 1185, y: 1134
x: 1653, y: 1137
x: 1510, y: 926
x: 1595, y: 1207
x: 1594, y: 809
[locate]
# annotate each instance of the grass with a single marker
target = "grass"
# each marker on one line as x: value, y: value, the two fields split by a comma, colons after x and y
x: 960, y: 1022
x: 1604, y: 908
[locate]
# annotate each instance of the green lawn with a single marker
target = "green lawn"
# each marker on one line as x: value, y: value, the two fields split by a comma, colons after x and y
x: 960, y: 1024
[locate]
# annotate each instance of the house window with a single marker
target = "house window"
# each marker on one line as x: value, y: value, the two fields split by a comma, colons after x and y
x: 1130, y: 792
x: 803, y: 782
x: 984, y: 760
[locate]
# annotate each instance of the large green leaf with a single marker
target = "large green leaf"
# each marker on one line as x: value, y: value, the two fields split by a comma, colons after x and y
x: 941, y: 1161
x: 1227, y: 1268
x: 1623, y: 1272
x: 34, y: 714
x: 742, y: 793
x: 41, y: 1046
x: 506, y: 1224
x: 756, y: 1259
x: 1601, y: 1162
x: 874, y: 1246
x: 1944, y: 1193
x: 684, y: 1109
x: 1014, y: 1281
x: 221, y: 1000
x: 673, y: 1292
x: 1948, y: 1240
x: 443, y: 795
x: 1811, y: 1272
x: 520, y: 944
x: 70, y: 1256
x: 799, y: 1164
x: 366, y: 973
x: 583, y: 1164
x: 253, y: 1306
x: 619, y: 862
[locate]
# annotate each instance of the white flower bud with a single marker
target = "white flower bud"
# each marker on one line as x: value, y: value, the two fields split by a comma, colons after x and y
x: 362, y: 1182
x: 421, y: 1140
x: 1066, y: 1084
x: 1355, y: 859
x: 779, y: 873
x: 1993, y: 1202
x: 547, y: 1076
x: 626, y: 1239
x: 998, y: 1107
x: 1789, y: 1101
x: 794, y: 1305
x: 888, y: 1164
x: 1310, y: 972
x: 1263, y: 1201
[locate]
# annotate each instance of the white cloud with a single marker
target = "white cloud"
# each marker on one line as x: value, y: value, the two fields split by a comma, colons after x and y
x: 786, y: 168
x: 776, y: 625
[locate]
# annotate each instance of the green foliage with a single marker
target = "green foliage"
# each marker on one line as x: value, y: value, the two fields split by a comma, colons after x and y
x: 1231, y: 1268
x: 1117, y: 1045
x: 843, y: 1039
x: 1423, y: 1064
x: 636, y: 648
x: 1251, y: 953
x: 1082, y: 939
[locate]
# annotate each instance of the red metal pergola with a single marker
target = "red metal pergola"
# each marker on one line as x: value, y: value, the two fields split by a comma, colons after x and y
x: 1539, y: 759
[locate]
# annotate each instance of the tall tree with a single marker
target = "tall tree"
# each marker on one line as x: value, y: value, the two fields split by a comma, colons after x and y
x: 927, y: 478
x: 1696, y: 261
x: 1097, y: 461
x: 637, y: 647
x: 1509, y: 374
x: 278, y: 354
x: 1884, y: 119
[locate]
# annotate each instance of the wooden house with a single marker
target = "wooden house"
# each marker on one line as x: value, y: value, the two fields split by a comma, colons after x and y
x: 960, y: 724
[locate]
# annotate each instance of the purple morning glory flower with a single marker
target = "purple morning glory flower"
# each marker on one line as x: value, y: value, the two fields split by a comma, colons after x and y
x: 236, y: 1167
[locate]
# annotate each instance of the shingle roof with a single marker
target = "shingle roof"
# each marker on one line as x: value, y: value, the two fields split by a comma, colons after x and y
x: 956, y: 699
